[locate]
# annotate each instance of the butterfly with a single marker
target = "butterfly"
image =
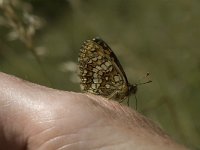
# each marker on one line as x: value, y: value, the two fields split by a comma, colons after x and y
x: 101, y: 73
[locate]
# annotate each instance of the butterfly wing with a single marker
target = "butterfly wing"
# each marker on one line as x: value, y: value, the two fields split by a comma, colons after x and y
x: 100, y: 70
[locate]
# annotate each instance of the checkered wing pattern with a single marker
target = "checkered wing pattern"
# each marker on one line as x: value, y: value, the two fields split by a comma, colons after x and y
x: 101, y: 72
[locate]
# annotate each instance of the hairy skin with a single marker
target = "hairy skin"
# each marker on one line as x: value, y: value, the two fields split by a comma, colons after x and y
x: 34, y: 117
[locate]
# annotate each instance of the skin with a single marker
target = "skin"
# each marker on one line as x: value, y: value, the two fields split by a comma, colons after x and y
x: 36, y: 117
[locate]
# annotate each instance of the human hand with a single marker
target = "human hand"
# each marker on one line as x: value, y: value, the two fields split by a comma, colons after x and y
x: 36, y: 117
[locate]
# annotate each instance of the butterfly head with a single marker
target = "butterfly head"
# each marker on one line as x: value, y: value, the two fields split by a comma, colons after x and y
x: 132, y: 88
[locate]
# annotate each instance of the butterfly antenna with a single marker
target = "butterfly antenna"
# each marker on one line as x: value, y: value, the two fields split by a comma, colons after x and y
x: 149, y: 81
x: 144, y: 82
x: 142, y: 78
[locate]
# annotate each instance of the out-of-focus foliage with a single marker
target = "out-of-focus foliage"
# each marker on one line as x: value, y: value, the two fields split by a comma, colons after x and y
x: 40, y: 41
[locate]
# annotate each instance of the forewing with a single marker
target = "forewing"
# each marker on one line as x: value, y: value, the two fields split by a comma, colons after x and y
x: 100, y: 70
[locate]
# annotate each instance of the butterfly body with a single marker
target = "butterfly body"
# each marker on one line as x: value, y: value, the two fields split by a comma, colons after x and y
x: 101, y: 72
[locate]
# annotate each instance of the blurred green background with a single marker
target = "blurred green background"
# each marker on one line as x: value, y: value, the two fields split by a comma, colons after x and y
x: 157, y: 36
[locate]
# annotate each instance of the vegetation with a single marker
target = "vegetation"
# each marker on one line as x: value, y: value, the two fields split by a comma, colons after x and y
x: 40, y: 41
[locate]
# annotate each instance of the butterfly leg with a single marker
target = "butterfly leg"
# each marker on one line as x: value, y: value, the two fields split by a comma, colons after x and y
x: 128, y: 101
x: 115, y: 96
